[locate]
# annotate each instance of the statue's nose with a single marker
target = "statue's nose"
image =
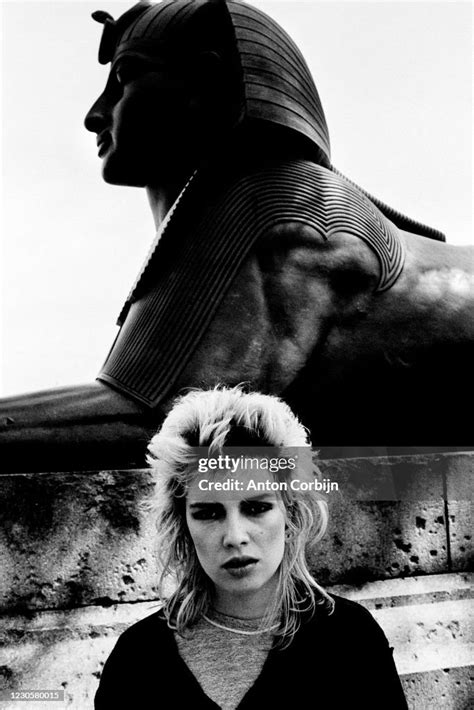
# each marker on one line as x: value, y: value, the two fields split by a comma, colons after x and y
x: 96, y: 117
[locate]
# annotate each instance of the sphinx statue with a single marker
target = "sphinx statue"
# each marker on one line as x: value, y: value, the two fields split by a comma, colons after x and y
x: 269, y: 267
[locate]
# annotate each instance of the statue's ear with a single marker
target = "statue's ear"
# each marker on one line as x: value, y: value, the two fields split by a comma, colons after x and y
x: 210, y: 90
x: 207, y: 73
x: 215, y: 98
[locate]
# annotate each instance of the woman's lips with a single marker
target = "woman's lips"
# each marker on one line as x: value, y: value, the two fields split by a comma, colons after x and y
x: 240, y: 567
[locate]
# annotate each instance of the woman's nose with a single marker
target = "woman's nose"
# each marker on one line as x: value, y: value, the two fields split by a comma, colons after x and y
x: 96, y: 117
x: 235, y: 531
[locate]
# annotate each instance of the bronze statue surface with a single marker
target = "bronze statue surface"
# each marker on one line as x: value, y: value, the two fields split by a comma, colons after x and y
x: 268, y: 267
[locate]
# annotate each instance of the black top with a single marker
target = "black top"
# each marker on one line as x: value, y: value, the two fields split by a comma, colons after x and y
x: 338, y: 661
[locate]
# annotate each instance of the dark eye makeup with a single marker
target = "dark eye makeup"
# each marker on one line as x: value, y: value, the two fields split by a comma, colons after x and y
x: 207, y: 511
x: 216, y: 511
x: 254, y: 508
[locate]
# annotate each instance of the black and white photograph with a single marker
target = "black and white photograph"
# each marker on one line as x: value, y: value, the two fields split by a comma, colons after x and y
x: 236, y: 441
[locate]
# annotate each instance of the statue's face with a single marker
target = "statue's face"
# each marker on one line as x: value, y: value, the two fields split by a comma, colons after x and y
x: 143, y: 121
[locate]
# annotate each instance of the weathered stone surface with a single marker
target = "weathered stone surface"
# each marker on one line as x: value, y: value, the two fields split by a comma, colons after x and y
x: 459, y: 472
x: 428, y: 620
x: 461, y: 517
x: 384, y: 538
x: 369, y: 541
x: 73, y: 539
x: 447, y: 689
x: 460, y: 495
x: 417, y: 478
x: 409, y: 590
x: 430, y: 636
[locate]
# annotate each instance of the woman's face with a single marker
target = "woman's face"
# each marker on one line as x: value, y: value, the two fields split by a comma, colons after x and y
x: 239, y: 537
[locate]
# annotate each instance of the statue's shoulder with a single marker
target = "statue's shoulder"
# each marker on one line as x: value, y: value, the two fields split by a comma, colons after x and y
x: 330, y: 222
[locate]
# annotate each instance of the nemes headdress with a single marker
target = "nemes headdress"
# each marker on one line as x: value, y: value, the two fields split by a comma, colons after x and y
x: 269, y: 77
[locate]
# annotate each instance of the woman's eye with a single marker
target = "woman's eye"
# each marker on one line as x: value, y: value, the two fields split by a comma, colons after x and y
x: 207, y: 513
x: 255, y: 509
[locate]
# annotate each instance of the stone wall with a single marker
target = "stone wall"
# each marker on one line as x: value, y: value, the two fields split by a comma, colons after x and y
x: 78, y: 562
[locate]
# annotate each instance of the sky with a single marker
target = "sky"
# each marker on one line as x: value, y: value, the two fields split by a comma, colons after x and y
x: 395, y: 80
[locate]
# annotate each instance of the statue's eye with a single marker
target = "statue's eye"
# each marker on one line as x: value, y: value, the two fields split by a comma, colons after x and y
x: 127, y: 71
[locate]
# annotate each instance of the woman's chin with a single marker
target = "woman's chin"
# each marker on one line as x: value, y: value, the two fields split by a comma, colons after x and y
x: 243, y: 581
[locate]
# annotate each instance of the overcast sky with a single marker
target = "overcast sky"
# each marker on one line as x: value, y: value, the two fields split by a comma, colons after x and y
x: 395, y: 82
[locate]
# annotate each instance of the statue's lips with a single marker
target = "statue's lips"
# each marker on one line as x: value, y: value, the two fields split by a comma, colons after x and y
x: 104, y: 140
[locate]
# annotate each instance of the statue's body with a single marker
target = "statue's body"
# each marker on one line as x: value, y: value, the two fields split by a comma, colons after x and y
x: 269, y: 267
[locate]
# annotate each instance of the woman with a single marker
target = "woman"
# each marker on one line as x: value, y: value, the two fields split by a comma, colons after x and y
x: 246, y: 625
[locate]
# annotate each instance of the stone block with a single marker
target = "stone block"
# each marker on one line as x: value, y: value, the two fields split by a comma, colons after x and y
x: 73, y: 539
x: 446, y: 689
x: 430, y: 623
x: 377, y: 539
x: 430, y: 635
x: 461, y: 517
x: 402, y: 478
x: 405, y: 591
x: 460, y: 496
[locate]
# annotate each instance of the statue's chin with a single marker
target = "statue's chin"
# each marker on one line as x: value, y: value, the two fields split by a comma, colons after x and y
x: 122, y: 170
x: 126, y: 179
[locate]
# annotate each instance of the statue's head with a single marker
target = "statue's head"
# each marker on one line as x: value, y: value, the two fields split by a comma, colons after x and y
x: 186, y: 75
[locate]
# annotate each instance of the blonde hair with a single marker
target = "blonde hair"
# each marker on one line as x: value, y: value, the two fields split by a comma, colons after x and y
x: 213, y: 419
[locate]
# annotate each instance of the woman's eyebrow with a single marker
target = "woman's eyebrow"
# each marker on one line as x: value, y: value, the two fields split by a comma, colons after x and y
x: 265, y: 496
x: 259, y: 497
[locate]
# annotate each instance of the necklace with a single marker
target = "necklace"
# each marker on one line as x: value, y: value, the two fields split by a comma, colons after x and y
x: 239, y: 631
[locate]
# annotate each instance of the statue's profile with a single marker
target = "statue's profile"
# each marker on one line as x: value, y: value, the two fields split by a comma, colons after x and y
x: 269, y: 267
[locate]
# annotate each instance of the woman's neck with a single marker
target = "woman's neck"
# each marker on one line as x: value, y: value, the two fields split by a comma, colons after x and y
x: 246, y: 605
